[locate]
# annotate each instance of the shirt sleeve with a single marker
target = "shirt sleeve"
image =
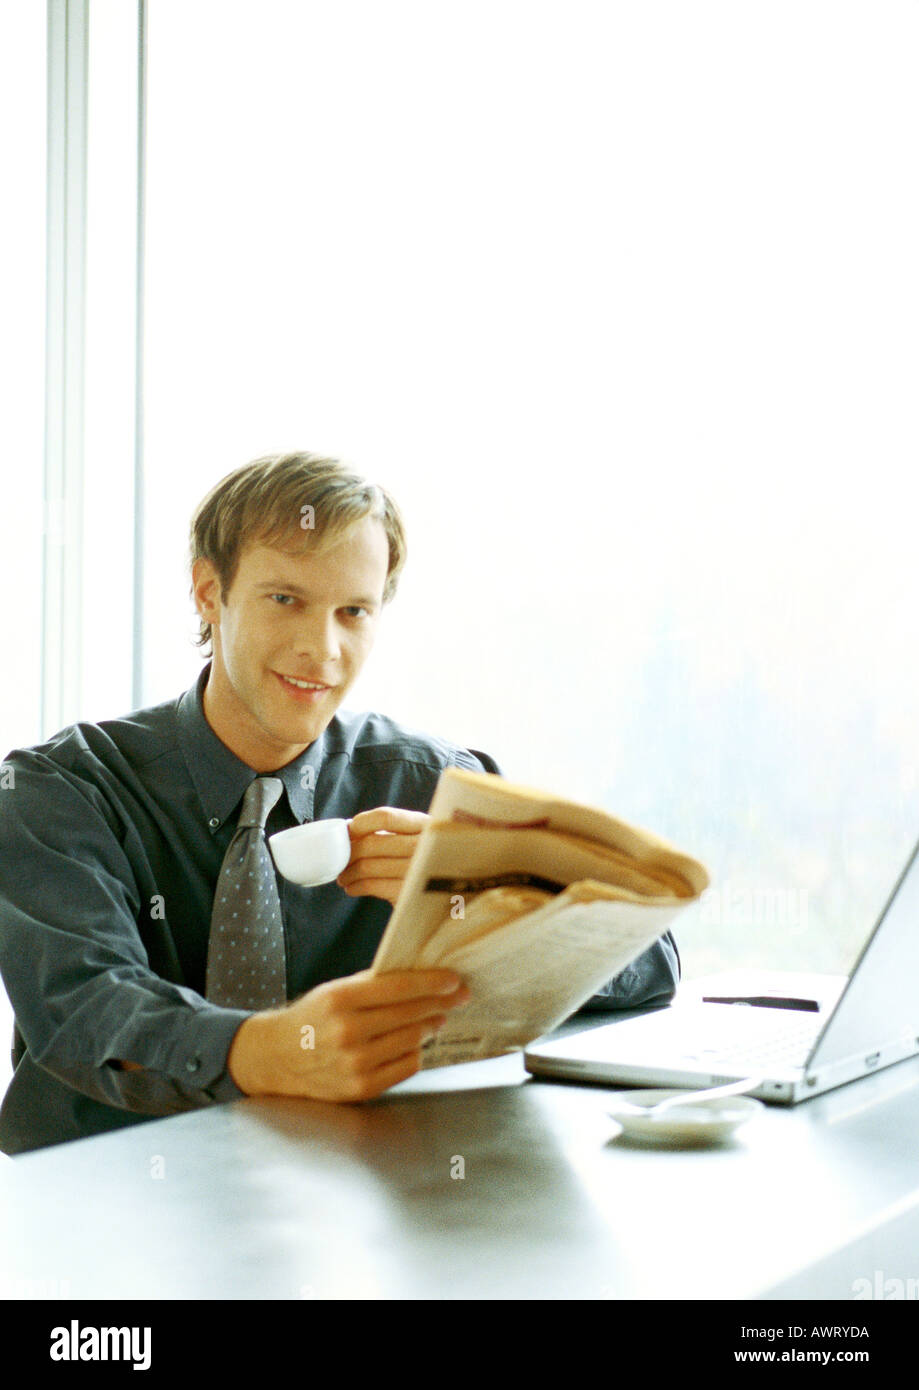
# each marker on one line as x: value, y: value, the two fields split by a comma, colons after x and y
x: 650, y: 980
x: 73, y: 962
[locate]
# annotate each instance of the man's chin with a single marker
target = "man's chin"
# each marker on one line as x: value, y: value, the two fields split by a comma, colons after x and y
x: 302, y: 727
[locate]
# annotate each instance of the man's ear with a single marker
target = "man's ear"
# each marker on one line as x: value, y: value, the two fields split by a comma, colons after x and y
x: 205, y: 586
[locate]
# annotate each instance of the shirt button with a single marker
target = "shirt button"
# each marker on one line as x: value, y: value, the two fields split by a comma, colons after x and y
x: 214, y: 822
x: 193, y: 1064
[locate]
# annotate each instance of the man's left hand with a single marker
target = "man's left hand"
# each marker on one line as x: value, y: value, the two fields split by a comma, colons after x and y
x: 382, y: 844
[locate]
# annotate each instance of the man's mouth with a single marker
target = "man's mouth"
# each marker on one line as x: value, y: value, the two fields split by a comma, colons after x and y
x: 304, y: 689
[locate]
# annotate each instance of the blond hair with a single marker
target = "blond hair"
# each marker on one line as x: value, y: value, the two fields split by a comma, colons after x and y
x: 282, y: 499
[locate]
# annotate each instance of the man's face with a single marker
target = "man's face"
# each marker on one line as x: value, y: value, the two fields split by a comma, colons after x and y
x: 286, y: 618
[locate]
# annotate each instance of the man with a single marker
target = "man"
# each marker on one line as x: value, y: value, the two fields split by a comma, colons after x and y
x: 122, y: 844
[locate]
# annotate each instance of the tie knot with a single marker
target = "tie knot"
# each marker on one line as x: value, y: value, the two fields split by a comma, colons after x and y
x: 261, y: 796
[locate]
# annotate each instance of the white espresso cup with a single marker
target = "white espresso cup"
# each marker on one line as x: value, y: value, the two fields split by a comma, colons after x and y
x: 313, y: 853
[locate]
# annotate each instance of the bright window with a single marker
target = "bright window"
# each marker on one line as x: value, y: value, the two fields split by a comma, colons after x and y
x: 621, y: 302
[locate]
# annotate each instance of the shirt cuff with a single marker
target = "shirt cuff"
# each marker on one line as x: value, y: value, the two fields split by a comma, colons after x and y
x: 199, y: 1058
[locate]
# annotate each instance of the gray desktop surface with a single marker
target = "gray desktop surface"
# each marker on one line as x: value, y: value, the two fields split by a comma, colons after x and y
x: 467, y: 1182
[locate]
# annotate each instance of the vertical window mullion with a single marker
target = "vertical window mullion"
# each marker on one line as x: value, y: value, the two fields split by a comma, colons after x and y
x: 68, y: 25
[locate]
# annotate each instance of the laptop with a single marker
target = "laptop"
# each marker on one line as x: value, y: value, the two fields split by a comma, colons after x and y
x: 793, y: 1052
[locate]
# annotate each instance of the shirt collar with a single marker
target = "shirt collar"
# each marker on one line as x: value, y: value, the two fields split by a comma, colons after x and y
x: 220, y: 778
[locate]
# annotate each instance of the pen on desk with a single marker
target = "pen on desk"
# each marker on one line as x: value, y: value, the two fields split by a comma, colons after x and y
x: 764, y: 1001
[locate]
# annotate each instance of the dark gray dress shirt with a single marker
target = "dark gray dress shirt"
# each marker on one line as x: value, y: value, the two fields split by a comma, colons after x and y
x: 111, y: 840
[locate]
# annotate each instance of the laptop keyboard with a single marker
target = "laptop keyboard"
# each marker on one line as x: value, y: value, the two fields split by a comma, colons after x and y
x: 789, y: 1049
x: 746, y: 1040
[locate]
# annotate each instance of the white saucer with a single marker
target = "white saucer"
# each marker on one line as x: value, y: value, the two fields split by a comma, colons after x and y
x: 705, y: 1122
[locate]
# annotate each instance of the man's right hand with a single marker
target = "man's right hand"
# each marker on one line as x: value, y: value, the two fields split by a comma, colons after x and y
x: 346, y: 1040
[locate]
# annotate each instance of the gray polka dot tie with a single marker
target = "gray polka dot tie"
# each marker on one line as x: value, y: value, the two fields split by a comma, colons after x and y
x: 245, y: 956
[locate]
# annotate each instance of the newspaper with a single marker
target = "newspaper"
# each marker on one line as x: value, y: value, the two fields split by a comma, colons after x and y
x: 535, y: 901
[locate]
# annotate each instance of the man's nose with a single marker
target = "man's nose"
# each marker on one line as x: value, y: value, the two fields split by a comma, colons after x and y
x: 319, y: 639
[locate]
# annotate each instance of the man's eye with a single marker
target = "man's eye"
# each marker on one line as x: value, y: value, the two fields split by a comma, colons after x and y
x: 355, y: 610
x: 282, y: 598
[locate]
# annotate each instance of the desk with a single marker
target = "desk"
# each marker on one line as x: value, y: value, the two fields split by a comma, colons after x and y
x: 467, y: 1182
